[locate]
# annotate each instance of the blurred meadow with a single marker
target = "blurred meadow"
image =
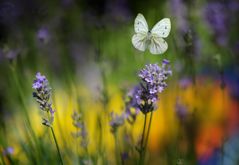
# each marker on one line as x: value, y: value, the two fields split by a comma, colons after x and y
x: 84, y: 49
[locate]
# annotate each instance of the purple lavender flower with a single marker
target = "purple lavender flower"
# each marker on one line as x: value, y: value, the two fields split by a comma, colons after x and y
x: 155, y: 77
x: 42, y: 95
x: 40, y: 82
x: 81, y: 129
x: 153, y: 82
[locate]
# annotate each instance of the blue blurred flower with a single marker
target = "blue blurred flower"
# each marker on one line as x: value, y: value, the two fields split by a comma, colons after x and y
x: 213, y: 159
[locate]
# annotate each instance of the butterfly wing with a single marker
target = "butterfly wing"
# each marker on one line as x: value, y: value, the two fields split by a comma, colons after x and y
x: 162, y: 28
x: 141, y: 29
x: 140, y: 24
x: 157, y: 45
x: 139, y: 41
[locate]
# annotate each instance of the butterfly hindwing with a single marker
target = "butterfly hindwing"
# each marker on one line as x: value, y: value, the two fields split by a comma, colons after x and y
x: 162, y: 28
x: 158, y: 45
x: 139, y: 41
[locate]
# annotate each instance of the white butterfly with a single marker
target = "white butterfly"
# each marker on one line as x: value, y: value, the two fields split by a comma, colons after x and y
x: 152, y: 39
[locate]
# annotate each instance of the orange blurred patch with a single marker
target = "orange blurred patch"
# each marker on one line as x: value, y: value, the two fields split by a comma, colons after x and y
x: 233, y: 117
x: 209, y: 138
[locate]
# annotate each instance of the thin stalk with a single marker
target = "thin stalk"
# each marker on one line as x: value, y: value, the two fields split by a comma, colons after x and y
x: 141, y: 151
x: 147, y: 135
x: 3, y: 161
x: 117, y: 149
x: 58, y: 149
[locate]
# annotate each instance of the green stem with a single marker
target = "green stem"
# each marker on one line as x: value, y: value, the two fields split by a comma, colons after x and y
x: 147, y: 136
x: 141, y: 151
x: 3, y: 161
x: 117, y: 149
x: 58, y: 150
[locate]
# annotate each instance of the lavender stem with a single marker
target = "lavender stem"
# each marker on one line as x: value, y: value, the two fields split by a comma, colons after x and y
x: 141, y: 151
x: 147, y: 136
x: 58, y: 150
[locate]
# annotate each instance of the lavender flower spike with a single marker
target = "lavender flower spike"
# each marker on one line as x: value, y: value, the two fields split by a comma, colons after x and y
x: 42, y: 95
x: 81, y: 131
x: 153, y: 79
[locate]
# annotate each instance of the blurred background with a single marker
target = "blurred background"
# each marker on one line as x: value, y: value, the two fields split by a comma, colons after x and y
x: 84, y: 49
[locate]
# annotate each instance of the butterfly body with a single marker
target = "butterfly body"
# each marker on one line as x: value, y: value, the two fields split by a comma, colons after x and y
x: 149, y: 35
x: 151, y: 39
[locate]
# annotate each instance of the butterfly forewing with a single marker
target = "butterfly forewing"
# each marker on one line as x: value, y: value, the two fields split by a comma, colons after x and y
x: 158, y: 45
x: 162, y: 28
x: 140, y: 24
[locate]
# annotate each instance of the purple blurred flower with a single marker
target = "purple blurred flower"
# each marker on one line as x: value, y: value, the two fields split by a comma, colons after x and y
x: 152, y: 82
x: 43, y: 35
x: 132, y: 106
x: 42, y: 96
x: 179, y: 11
x: 132, y: 102
x: 8, y: 151
x: 116, y: 121
x: 81, y: 129
x: 185, y: 82
x: 181, y: 110
x: 233, y: 5
x: 9, y: 54
x: 124, y: 156
x: 117, y: 12
x: 217, y: 16
x: 12, y: 54
x: 186, y: 36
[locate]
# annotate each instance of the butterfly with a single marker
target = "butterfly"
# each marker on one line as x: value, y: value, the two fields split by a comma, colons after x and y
x: 151, y: 39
